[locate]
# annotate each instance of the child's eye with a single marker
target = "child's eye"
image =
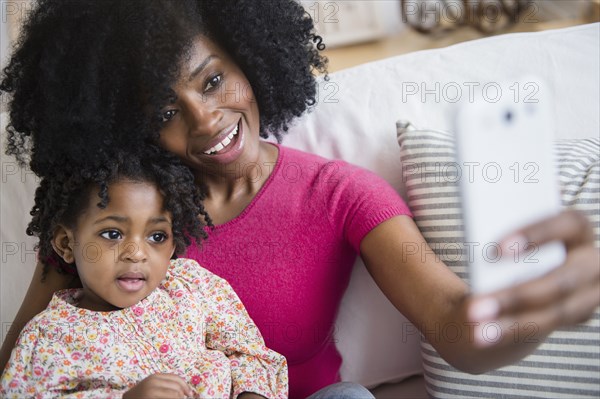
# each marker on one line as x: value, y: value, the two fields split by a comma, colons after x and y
x: 168, y: 115
x: 111, y: 235
x: 213, y: 82
x: 158, y: 237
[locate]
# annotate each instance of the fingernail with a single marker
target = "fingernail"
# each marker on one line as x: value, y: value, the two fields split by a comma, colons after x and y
x: 484, y: 309
x: 514, y: 244
x: 485, y: 336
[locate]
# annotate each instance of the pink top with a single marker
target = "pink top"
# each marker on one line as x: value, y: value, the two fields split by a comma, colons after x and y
x: 289, y: 255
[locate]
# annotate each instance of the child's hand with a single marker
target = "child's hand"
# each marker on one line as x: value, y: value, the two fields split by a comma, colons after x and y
x: 160, y: 386
x: 250, y: 395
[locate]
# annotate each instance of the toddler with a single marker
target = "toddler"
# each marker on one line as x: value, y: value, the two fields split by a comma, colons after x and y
x: 142, y: 325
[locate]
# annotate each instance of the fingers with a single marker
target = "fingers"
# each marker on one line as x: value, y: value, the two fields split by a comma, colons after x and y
x: 580, y: 271
x: 567, y: 295
x: 534, y: 326
x: 570, y: 227
x: 175, y: 383
x: 161, y: 386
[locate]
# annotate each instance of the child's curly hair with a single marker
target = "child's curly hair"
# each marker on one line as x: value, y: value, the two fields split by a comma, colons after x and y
x: 89, y: 75
x: 62, y: 197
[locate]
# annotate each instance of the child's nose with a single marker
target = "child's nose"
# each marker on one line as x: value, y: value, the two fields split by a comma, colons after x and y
x: 133, y: 252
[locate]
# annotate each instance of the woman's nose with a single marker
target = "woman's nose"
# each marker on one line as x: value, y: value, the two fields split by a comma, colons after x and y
x: 203, y: 117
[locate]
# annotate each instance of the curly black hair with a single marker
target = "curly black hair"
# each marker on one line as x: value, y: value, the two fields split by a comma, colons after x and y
x: 89, y: 75
x: 61, y: 198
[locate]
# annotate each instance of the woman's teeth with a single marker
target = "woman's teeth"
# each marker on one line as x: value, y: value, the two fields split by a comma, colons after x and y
x: 224, y: 143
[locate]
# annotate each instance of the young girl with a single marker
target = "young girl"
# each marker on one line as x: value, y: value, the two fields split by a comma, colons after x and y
x: 140, y: 326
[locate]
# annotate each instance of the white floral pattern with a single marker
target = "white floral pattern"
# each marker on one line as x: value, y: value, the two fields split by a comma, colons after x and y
x: 193, y: 325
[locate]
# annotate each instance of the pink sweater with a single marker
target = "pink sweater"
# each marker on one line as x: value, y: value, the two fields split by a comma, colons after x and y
x: 289, y: 255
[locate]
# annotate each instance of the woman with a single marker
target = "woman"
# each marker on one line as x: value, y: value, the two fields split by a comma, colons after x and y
x: 204, y: 80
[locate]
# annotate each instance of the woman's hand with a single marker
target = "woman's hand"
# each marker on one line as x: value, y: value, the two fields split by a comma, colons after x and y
x: 568, y: 295
x: 479, y: 333
x: 160, y: 386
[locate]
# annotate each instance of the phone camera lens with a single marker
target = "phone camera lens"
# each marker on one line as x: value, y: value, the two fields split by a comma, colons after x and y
x: 530, y: 109
x: 508, y: 116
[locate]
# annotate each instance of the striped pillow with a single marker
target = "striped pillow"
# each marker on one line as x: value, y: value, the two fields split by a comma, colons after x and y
x: 567, y: 364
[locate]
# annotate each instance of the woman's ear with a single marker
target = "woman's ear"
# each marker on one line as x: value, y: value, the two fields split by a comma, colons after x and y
x: 63, y: 243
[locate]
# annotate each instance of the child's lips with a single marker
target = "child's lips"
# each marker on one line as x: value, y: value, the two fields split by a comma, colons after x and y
x: 131, y: 281
x: 132, y: 275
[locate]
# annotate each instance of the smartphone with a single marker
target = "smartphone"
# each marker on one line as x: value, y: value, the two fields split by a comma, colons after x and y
x: 509, y: 180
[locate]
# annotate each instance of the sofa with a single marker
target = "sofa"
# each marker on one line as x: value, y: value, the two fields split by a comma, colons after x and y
x: 355, y: 119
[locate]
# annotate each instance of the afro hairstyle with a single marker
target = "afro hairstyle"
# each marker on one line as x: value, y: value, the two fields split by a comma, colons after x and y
x: 62, y: 198
x: 87, y: 75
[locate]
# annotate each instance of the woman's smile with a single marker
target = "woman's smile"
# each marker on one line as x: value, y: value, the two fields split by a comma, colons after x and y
x: 222, y: 140
x: 227, y: 146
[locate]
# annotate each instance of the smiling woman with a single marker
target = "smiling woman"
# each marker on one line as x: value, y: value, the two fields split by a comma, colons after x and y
x: 117, y: 81
x: 184, y: 76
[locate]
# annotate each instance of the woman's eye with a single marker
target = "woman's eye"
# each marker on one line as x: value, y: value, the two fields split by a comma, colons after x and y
x: 213, y: 82
x: 168, y: 115
x: 111, y: 235
x: 158, y: 237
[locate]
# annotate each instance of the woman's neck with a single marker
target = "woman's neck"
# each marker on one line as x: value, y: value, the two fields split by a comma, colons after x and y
x: 228, y: 196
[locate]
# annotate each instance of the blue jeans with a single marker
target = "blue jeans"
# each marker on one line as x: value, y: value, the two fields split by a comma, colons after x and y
x: 342, y: 390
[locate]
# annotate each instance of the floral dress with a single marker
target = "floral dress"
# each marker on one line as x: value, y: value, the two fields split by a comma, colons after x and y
x: 192, y: 325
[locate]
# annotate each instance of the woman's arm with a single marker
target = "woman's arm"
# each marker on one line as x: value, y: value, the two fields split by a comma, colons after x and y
x: 437, y: 301
x: 37, y: 298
